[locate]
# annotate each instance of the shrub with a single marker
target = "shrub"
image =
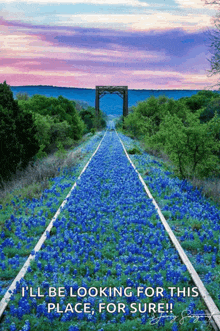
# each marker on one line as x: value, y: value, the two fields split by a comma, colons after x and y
x: 209, y: 112
x: 60, y: 131
x: 146, y: 117
x: 199, y: 100
x: 59, y: 109
x: 189, y: 144
x: 134, y: 150
x: 88, y: 118
x: 43, y: 125
x: 61, y: 152
x: 22, y: 96
x: 50, y: 132
x: 134, y: 125
x: 93, y: 130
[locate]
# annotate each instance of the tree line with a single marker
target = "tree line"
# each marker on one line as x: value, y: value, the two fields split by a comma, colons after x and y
x: 187, y: 130
x: 32, y: 127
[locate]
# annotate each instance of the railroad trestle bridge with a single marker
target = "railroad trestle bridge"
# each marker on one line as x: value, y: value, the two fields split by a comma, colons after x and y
x: 122, y: 91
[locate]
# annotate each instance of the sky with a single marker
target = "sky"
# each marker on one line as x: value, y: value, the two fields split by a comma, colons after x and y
x: 143, y: 44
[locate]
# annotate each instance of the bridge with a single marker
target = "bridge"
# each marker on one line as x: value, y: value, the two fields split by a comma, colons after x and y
x: 122, y: 91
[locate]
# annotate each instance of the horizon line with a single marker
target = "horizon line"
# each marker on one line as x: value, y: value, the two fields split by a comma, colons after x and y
x: 91, y: 88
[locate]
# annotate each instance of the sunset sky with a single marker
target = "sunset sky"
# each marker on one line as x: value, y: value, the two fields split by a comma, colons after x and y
x: 145, y: 44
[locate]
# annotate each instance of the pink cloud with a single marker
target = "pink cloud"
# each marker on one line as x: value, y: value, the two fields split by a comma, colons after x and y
x: 33, y: 55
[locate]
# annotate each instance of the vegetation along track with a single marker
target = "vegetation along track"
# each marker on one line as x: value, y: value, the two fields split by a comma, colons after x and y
x: 108, y: 234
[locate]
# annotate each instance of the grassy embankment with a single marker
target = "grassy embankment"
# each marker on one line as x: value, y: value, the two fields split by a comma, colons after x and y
x: 37, y: 137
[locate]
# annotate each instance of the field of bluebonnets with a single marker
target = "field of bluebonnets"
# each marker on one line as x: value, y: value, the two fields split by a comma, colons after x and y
x: 109, y: 235
x: 194, y: 219
x: 23, y: 221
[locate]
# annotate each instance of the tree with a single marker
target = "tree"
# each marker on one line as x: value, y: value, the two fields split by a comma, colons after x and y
x: 215, y: 50
x: 17, y: 134
x: 199, y: 100
x: 191, y: 146
x: 88, y: 118
x: 209, y: 112
x: 60, y: 109
x: 146, y: 117
x: 214, y: 35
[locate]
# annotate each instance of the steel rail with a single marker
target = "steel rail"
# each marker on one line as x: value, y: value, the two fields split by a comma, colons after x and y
x: 213, y: 309
x: 5, y: 300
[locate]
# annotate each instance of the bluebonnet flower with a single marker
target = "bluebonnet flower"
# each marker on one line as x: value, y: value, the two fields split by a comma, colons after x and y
x: 13, y: 327
x: 109, y: 225
x: 26, y: 327
x: 73, y: 328
x: 175, y: 327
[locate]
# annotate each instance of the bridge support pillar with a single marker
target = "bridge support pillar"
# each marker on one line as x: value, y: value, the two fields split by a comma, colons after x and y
x: 97, y: 101
x: 125, y: 102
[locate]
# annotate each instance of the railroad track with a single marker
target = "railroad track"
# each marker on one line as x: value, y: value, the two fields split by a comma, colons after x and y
x: 212, y: 308
x: 84, y: 183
